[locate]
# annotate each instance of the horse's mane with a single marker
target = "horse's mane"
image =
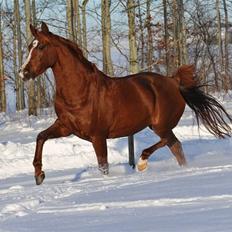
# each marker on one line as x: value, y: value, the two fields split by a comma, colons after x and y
x: 75, y: 50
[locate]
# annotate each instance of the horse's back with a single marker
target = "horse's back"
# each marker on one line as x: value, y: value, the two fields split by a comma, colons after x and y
x: 141, y: 100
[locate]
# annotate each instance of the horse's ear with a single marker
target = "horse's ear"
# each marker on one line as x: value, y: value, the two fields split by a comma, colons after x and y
x: 44, y: 28
x: 33, y: 31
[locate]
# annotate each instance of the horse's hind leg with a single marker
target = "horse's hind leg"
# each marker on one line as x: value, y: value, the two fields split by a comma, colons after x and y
x: 173, y: 144
x: 142, y: 163
x: 176, y: 148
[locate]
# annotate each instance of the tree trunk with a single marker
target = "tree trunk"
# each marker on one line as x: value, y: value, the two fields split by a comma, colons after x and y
x: 166, y: 37
x: 220, y: 46
x: 180, y: 52
x: 219, y: 34
x: 70, y: 19
x: 39, y: 79
x: 2, y: 78
x: 78, y: 24
x: 84, y: 28
x: 141, y: 30
x: 226, y: 54
x: 20, y: 100
x: 15, y: 62
x: 132, y: 39
x: 31, y: 93
x: 149, y: 37
x: 74, y: 3
x: 106, y: 37
x: 133, y: 62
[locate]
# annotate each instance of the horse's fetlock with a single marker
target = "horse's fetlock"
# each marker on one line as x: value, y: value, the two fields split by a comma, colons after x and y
x: 104, y: 168
x: 37, y: 163
x: 145, y: 155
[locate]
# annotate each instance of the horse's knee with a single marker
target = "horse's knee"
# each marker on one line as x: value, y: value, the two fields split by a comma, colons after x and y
x: 41, y: 136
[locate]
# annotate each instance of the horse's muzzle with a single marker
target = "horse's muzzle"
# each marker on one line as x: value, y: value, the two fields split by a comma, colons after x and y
x: 24, y: 74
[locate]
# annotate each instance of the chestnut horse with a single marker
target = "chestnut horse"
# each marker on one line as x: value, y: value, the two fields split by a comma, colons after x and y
x: 95, y: 107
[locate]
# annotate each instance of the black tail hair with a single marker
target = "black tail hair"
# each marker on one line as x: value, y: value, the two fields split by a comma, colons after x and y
x: 208, y: 110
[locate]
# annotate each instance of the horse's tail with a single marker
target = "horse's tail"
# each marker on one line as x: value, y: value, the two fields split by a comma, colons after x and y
x: 206, y: 108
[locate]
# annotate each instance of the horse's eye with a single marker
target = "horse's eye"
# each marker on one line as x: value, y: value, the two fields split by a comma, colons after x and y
x: 41, y: 46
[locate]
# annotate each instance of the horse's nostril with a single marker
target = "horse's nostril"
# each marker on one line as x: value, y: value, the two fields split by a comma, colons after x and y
x: 19, y: 70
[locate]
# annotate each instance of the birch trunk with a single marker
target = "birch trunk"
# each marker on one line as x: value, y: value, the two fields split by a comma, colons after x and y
x: 226, y: 54
x: 180, y: 53
x: 78, y: 24
x: 70, y: 19
x: 133, y: 63
x: 106, y: 37
x: 166, y: 37
x: 20, y: 99
x: 142, y: 41
x: 149, y: 37
x: 2, y: 79
x: 84, y: 28
x: 132, y: 39
x: 31, y: 92
x: 219, y: 33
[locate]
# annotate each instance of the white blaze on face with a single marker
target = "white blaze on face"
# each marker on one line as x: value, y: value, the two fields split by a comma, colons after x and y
x: 34, y: 45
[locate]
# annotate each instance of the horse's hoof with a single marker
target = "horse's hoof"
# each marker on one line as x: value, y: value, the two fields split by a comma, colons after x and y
x: 142, y: 164
x: 39, y: 179
x: 104, y: 169
x: 105, y: 172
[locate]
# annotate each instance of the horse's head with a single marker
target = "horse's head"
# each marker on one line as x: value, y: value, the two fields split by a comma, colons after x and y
x: 42, y: 54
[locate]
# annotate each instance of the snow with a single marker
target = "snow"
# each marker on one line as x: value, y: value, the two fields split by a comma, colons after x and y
x: 76, y: 197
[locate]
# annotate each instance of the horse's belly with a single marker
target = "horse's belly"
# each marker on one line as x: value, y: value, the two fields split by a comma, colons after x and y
x: 125, y: 132
x: 128, y: 127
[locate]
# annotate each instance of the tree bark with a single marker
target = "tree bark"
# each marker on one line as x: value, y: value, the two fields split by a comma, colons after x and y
x: 2, y: 78
x: 220, y: 46
x: 106, y: 37
x: 166, y: 37
x: 84, y: 28
x: 219, y: 33
x: 133, y: 63
x: 180, y: 53
x: 78, y: 24
x: 142, y: 41
x: 226, y: 54
x: 31, y: 93
x: 20, y: 99
x: 149, y: 37
x: 132, y: 39
x: 70, y: 19
x: 39, y: 82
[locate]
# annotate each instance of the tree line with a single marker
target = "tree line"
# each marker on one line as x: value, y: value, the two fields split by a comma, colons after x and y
x: 121, y: 37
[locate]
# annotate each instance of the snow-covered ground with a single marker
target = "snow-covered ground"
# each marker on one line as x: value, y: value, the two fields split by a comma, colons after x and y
x: 76, y: 197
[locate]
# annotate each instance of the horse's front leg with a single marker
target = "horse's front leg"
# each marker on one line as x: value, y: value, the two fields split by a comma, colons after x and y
x: 100, y: 147
x: 56, y: 130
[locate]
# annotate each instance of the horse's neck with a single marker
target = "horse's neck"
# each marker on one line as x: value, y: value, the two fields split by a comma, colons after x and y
x: 71, y: 77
